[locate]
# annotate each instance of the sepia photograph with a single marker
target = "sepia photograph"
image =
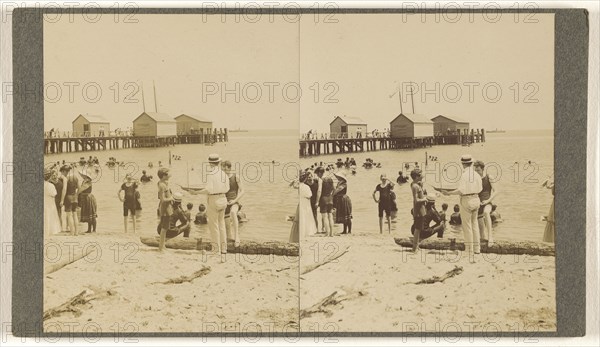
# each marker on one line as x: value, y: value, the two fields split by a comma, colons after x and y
x: 427, y: 185
x: 298, y: 172
x: 168, y: 205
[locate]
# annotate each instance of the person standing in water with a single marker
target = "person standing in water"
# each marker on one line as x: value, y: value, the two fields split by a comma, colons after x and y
x: 384, y: 202
x: 233, y: 195
x: 129, y: 200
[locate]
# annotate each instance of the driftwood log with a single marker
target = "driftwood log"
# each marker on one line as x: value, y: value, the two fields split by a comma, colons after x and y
x: 312, y: 267
x: 329, y: 302
x: 245, y: 247
x: 499, y: 247
x: 66, y: 258
x: 75, y: 304
x: 183, y: 279
x: 435, y: 279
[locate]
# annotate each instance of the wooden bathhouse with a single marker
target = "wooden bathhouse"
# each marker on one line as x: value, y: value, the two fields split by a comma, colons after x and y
x: 154, y: 124
x: 90, y: 125
x: 348, y: 127
x: 445, y: 125
x: 192, y: 124
x: 411, y: 126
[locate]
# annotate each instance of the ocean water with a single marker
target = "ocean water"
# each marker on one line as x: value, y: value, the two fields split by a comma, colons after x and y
x: 521, y: 200
x: 265, y: 160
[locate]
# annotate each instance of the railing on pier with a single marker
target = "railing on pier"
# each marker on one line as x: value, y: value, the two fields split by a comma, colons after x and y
x: 82, y: 142
x: 340, y: 136
x: 317, y: 145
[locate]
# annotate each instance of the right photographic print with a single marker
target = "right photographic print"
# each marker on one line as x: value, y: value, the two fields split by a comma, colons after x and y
x: 427, y: 173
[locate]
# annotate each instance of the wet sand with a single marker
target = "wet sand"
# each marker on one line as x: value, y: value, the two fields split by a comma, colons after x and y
x: 376, y: 290
x: 243, y: 294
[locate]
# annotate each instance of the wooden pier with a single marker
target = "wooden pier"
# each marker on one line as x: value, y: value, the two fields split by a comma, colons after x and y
x: 69, y: 143
x: 319, y: 146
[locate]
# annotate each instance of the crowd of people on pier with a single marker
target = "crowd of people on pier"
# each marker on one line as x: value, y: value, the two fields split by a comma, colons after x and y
x: 56, y: 133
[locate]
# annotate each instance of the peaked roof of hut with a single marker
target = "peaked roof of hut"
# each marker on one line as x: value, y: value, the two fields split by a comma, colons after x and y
x: 196, y: 117
x: 159, y: 117
x: 414, y: 118
x: 350, y: 120
x: 92, y: 118
x: 453, y: 118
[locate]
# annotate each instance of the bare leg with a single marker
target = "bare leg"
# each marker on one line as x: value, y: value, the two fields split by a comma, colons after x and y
x: 330, y: 222
x: 389, y: 222
x: 133, y: 220
x: 487, y: 219
x: 69, y: 221
x: 222, y: 231
x: 75, y: 222
x: 381, y: 225
x: 235, y: 224
x: 125, y: 224
x: 325, y: 224
x: 163, y: 239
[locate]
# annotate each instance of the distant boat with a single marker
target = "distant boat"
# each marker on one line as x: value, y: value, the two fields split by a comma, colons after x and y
x: 238, y: 130
x: 496, y: 131
x: 188, y: 188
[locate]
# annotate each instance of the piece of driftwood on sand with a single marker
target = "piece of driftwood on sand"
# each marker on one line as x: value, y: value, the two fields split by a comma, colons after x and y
x: 499, y: 247
x: 312, y: 267
x: 75, y: 304
x: 245, y: 247
x: 183, y: 279
x: 435, y: 279
x: 66, y: 258
x: 330, y: 301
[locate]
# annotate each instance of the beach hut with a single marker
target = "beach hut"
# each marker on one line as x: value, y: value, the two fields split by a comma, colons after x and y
x: 154, y: 124
x: 348, y: 126
x: 411, y: 125
x: 191, y: 124
x: 447, y: 125
x: 88, y: 125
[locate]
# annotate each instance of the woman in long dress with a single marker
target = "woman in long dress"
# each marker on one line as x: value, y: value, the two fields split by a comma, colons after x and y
x: 342, y: 203
x: 307, y: 221
x: 51, y: 220
x: 87, y: 204
x: 550, y: 232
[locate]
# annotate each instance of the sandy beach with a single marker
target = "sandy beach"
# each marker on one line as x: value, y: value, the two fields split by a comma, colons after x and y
x: 376, y: 290
x: 245, y: 294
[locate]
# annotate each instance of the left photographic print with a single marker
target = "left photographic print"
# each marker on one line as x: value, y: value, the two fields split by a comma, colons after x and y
x: 170, y: 149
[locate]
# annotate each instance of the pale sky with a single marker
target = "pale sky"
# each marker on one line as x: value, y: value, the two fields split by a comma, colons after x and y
x: 368, y: 55
x: 180, y: 53
x: 357, y: 62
